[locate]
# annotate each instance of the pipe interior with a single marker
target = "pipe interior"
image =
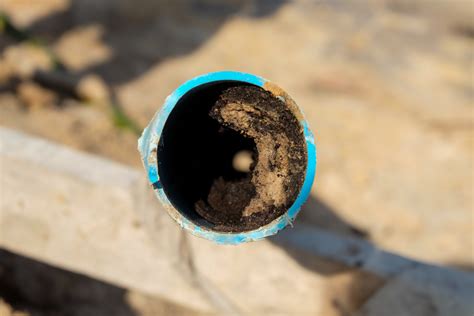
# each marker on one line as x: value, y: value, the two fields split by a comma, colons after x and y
x: 195, y: 150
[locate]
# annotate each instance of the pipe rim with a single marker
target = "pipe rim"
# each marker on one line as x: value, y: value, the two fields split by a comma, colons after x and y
x: 148, y: 145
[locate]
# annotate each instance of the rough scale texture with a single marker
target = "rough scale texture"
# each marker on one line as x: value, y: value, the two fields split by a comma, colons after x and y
x: 276, y: 175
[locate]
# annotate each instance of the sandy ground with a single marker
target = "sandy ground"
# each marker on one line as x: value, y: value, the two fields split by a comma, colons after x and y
x: 387, y: 87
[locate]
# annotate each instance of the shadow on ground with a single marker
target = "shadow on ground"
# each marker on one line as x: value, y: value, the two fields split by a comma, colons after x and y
x: 142, y: 33
x: 40, y: 289
x: 318, y: 215
x: 347, y: 288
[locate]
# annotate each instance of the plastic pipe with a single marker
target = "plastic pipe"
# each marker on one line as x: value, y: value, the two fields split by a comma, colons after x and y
x: 149, y: 142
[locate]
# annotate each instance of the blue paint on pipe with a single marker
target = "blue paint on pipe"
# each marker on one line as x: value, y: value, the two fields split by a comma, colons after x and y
x: 148, y: 144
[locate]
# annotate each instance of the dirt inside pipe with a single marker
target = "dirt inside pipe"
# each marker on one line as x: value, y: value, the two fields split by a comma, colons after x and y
x: 277, y: 172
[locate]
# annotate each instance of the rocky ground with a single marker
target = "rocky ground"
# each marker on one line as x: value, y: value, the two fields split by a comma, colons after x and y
x: 387, y: 87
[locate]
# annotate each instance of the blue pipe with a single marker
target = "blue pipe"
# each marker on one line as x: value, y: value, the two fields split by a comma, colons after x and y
x: 148, y: 146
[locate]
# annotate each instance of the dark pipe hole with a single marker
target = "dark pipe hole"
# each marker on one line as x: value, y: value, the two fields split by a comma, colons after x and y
x: 195, y: 149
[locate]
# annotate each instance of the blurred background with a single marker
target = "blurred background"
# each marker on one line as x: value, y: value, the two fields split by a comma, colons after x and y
x: 387, y: 87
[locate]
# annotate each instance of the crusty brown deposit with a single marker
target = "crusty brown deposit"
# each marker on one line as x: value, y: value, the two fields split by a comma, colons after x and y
x: 278, y: 172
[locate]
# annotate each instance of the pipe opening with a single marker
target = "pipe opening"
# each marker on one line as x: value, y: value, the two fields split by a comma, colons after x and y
x: 231, y: 157
x: 243, y: 161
